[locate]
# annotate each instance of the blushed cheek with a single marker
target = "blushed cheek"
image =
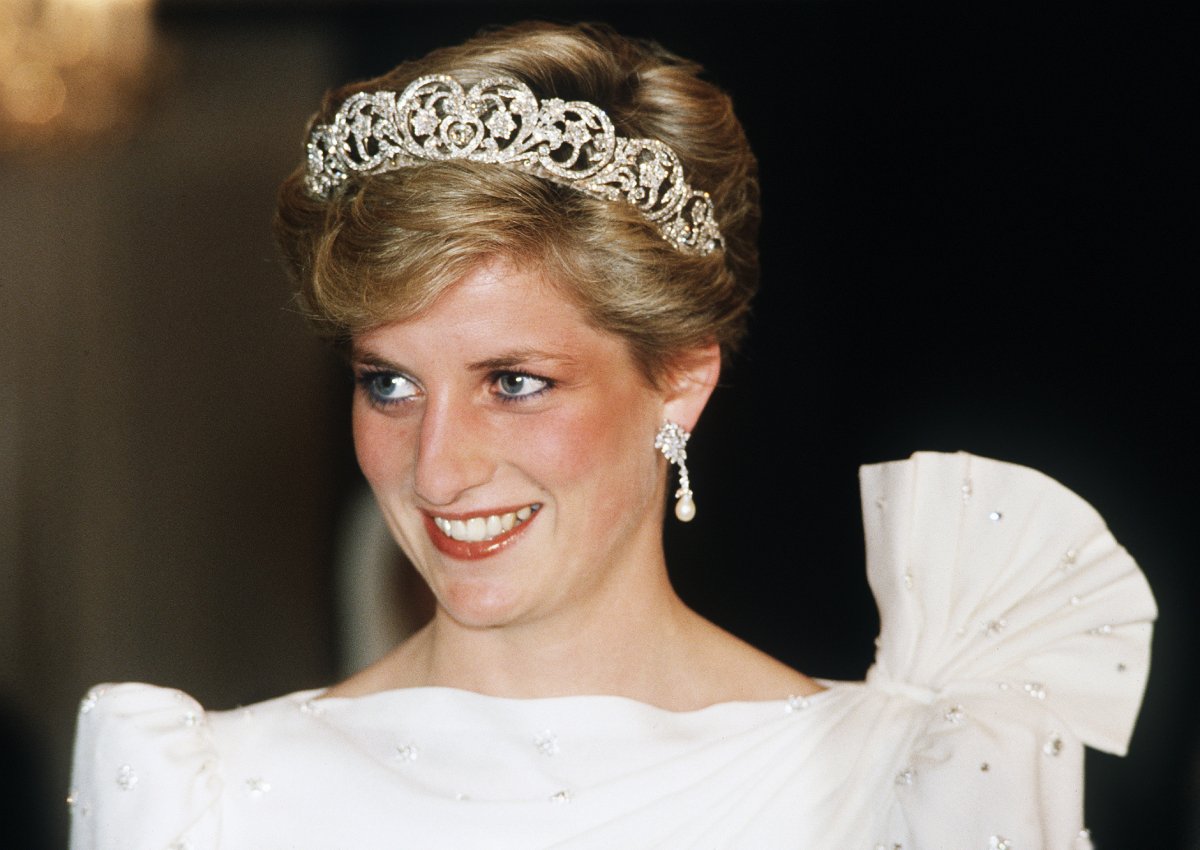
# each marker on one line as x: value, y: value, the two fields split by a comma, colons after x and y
x: 602, y: 450
x: 378, y: 446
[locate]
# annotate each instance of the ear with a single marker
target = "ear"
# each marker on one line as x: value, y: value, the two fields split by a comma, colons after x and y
x: 690, y: 383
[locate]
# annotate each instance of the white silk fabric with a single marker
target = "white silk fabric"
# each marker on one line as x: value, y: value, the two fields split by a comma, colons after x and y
x: 1015, y: 631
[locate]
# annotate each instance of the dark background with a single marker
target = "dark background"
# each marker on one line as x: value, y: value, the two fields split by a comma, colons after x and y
x: 979, y: 234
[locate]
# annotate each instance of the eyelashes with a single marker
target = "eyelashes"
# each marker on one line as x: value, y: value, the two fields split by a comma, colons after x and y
x: 517, y: 386
x: 384, y: 388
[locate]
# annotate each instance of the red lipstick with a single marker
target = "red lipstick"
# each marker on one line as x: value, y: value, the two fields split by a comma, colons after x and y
x: 467, y: 550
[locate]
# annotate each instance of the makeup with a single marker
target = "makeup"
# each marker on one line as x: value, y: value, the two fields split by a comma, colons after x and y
x: 482, y: 534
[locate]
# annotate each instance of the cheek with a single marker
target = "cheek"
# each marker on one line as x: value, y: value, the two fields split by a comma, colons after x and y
x: 608, y: 448
x: 380, y: 445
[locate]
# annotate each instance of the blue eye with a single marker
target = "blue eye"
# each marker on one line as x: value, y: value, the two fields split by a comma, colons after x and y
x: 386, y: 387
x: 515, y: 385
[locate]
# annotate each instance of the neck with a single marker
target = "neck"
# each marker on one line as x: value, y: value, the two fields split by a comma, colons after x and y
x: 629, y: 642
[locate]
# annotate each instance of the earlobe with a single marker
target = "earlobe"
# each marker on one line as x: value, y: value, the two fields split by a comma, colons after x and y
x: 691, y: 383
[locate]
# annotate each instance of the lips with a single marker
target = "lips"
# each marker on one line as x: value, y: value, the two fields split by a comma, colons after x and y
x: 473, y: 536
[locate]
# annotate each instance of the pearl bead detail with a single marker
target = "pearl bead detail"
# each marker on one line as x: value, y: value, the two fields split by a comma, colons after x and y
x: 671, y: 440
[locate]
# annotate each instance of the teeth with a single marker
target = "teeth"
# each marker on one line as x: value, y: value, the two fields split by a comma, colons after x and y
x: 478, y: 528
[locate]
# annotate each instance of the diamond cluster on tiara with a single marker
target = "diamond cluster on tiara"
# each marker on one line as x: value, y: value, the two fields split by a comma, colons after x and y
x: 500, y: 121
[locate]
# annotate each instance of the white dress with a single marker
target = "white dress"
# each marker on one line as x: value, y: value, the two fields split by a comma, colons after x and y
x: 1015, y: 630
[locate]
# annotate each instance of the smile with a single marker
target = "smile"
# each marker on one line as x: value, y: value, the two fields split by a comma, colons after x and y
x: 480, y: 535
x: 483, y: 528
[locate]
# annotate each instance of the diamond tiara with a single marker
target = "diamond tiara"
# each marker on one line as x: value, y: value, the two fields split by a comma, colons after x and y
x: 500, y: 121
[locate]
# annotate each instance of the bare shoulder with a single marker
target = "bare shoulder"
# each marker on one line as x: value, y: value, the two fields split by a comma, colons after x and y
x: 732, y: 670
x: 400, y: 668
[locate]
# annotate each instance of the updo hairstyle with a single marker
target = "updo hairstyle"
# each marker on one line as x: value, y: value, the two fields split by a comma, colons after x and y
x: 388, y: 244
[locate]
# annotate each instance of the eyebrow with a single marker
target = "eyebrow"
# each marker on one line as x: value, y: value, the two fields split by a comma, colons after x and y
x: 368, y: 358
x: 517, y: 357
x: 506, y: 360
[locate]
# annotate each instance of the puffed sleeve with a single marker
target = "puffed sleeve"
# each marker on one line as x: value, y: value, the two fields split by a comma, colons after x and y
x: 1015, y: 630
x: 145, y: 775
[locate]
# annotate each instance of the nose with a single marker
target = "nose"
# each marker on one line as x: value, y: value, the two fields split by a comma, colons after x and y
x: 453, y: 453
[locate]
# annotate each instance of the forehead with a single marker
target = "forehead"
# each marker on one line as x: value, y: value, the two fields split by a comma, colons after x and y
x: 493, y: 310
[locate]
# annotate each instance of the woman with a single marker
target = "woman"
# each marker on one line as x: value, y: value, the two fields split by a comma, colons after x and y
x: 535, y: 249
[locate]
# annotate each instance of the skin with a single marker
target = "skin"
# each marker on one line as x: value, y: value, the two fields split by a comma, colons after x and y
x: 502, y: 395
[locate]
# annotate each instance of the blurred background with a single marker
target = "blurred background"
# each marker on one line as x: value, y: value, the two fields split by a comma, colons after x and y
x: 980, y: 233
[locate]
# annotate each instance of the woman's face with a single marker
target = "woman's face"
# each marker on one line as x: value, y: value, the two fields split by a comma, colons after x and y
x: 511, y: 448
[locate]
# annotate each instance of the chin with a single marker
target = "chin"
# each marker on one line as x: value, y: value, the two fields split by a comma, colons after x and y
x: 478, y: 607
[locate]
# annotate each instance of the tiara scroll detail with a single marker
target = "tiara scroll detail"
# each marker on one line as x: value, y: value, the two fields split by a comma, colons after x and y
x: 500, y: 121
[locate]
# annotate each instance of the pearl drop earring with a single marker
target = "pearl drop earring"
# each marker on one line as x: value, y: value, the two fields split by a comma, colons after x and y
x: 671, y: 440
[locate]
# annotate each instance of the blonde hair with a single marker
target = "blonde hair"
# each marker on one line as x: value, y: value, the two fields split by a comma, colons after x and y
x: 388, y: 246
